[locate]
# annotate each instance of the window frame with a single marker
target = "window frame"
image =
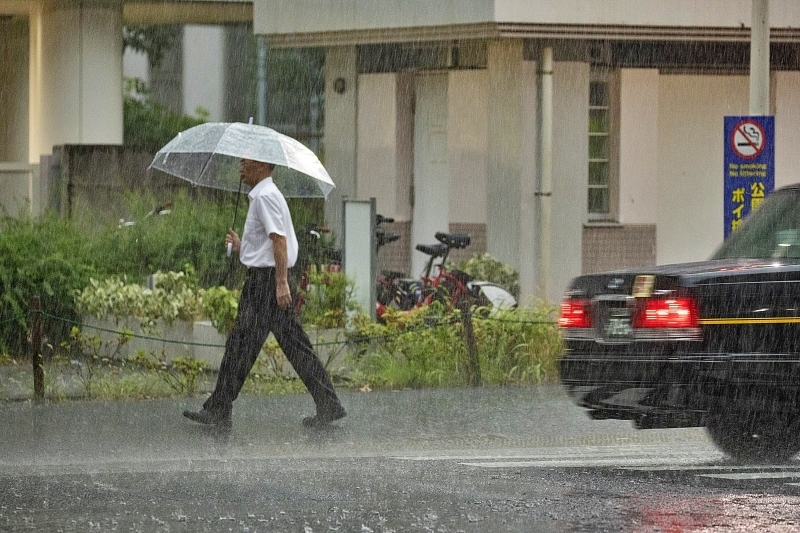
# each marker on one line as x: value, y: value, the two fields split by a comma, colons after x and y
x: 610, y: 77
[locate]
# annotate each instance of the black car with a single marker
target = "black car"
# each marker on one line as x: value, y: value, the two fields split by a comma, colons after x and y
x: 713, y: 343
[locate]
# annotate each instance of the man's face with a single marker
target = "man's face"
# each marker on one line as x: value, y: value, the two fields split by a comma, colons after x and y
x: 249, y: 171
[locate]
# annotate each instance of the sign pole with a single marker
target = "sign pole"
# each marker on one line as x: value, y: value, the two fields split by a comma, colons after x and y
x: 759, y: 58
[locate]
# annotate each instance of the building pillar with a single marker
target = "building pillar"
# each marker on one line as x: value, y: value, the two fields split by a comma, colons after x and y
x: 14, y: 90
x: 504, y: 150
x: 341, y: 90
x: 75, y: 75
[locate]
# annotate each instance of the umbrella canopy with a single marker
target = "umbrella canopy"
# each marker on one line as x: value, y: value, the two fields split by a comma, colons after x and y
x: 208, y: 155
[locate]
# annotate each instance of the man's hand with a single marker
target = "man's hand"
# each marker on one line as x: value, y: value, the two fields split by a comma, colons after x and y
x: 282, y: 293
x: 233, y: 239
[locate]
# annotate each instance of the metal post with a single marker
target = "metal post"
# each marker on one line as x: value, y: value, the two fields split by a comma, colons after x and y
x: 544, y: 163
x: 759, y: 58
x: 36, y: 348
x: 262, y: 80
x: 473, y: 364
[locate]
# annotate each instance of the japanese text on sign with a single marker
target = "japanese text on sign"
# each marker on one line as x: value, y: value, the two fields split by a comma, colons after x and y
x: 749, y: 166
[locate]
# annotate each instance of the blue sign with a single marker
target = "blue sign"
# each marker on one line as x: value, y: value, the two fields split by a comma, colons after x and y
x: 749, y: 166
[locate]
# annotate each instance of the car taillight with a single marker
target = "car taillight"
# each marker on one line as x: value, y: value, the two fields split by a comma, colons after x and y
x: 667, y: 313
x: 575, y: 314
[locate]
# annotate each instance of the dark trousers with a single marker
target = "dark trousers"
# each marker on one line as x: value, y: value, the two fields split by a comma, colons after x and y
x: 259, y: 315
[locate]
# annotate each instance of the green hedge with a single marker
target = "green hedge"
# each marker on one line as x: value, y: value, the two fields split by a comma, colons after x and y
x: 44, y: 257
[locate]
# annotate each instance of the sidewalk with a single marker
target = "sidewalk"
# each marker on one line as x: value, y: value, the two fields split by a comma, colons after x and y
x: 152, y: 435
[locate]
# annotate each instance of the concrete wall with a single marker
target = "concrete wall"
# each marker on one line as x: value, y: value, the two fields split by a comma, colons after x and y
x: 14, y: 89
x: 378, y: 148
x: 325, y: 15
x: 307, y: 16
x: 341, y: 130
x: 691, y: 111
x: 22, y: 191
x: 204, y: 66
x: 570, y: 171
x: 76, y: 76
x: 786, y: 101
x: 467, y: 130
x: 638, y: 132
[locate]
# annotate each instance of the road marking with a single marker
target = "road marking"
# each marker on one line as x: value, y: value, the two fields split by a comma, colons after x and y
x: 585, y: 456
x: 643, y: 463
x: 750, y: 476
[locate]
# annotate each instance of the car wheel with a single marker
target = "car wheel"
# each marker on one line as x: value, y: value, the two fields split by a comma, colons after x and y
x: 755, y: 437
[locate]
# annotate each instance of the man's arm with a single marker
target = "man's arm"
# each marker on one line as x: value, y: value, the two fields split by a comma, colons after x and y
x: 282, y: 293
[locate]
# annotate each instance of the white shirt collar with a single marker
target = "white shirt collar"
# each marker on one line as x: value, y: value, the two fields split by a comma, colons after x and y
x: 260, y: 185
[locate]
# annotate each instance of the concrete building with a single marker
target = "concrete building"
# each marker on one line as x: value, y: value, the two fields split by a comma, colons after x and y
x: 565, y: 135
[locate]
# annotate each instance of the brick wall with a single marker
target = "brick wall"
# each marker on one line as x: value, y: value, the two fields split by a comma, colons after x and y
x: 617, y: 247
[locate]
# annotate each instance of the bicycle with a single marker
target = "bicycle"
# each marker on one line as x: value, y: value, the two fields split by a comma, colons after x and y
x: 386, y: 286
x: 453, y: 288
x: 312, y: 258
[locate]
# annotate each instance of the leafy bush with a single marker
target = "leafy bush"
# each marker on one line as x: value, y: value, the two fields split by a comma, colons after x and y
x: 484, y: 267
x: 326, y: 298
x: 176, y: 296
x: 518, y: 346
x: 87, y: 352
x: 425, y: 347
x: 181, y: 375
x: 148, y: 124
x: 43, y: 257
x: 192, y: 233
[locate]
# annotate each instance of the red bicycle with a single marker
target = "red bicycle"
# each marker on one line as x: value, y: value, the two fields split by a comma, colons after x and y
x: 436, y: 282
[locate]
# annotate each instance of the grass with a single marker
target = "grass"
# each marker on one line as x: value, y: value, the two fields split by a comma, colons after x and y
x: 423, y: 349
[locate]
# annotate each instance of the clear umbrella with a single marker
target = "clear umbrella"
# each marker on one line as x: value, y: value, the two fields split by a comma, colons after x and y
x: 208, y: 155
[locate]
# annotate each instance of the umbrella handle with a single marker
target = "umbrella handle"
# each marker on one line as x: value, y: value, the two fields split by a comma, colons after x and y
x: 230, y: 248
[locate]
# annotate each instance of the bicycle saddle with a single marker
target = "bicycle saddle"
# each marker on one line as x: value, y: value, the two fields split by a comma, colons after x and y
x: 436, y: 250
x: 385, y: 238
x: 453, y: 240
x: 392, y: 275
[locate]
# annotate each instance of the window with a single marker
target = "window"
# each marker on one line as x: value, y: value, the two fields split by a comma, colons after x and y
x: 599, y: 147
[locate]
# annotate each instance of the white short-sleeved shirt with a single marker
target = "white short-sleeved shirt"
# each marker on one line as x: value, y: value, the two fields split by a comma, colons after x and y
x: 268, y: 213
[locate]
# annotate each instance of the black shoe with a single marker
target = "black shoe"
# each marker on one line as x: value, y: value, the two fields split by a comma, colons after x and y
x: 325, y: 417
x: 209, y: 418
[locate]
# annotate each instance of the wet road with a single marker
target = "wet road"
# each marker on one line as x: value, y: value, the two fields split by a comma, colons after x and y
x: 517, y: 459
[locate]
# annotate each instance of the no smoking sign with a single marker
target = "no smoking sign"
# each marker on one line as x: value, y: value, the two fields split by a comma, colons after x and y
x: 748, y: 139
x: 749, y: 162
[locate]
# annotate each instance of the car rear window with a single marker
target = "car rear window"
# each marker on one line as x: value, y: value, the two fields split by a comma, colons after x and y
x: 770, y: 232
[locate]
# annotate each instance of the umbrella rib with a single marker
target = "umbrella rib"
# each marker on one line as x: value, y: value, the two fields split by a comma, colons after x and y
x: 210, y: 156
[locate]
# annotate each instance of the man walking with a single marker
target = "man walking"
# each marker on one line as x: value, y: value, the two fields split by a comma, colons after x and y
x: 268, y: 248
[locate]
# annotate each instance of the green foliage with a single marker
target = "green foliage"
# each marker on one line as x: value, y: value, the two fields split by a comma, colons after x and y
x: 484, y: 267
x: 181, y: 375
x: 518, y: 346
x: 192, y: 233
x: 43, y: 257
x: 88, y: 352
x: 220, y: 306
x: 153, y: 40
x: 296, y: 75
x: 326, y: 298
x: 418, y: 348
x: 149, y: 125
x: 425, y: 348
x: 176, y: 296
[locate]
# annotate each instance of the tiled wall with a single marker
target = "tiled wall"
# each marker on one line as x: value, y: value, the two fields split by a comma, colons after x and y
x: 617, y: 247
